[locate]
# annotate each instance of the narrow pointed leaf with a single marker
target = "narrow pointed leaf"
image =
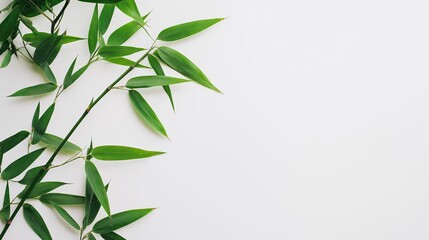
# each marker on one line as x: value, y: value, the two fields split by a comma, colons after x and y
x: 35, y: 116
x: 36, y: 222
x: 1, y: 156
x: 30, y: 175
x: 54, y: 54
x: 66, y: 216
x: 118, y: 51
x: 92, y: 205
x: 8, y: 24
x: 121, y: 153
x: 71, y: 77
x: 6, y: 60
x: 124, y: 62
x: 88, y: 156
x: 46, y: 48
x: 5, y: 211
x: 122, y: 34
x: 93, y: 31
x: 62, y: 199
x: 55, y: 141
x: 36, y: 38
x: 186, y: 29
x: 35, y: 90
x: 13, y: 140
x: 67, y: 78
x: 17, y: 167
x: 184, y: 66
x: 41, y: 188
x: 42, y: 124
x: 153, y: 81
x: 47, y: 71
x: 119, y: 220
x: 129, y: 7
x: 7, y: 7
x: 28, y: 23
x: 97, y: 186
x: 156, y: 66
x: 106, y: 17
x: 145, y: 112
x: 4, y: 47
x: 42, y: 6
x: 112, y: 236
x: 91, y: 237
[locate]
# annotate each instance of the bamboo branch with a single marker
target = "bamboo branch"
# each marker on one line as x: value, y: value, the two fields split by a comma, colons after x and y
x: 45, y: 169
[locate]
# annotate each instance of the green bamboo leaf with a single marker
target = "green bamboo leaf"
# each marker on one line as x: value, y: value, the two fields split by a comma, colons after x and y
x: 4, y: 47
x: 42, y: 124
x: 101, y: 1
x: 153, y: 81
x: 124, y: 62
x: 7, y: 7
x: 66, y: 216
x: 55, y: 141
x: 35, y: 90
x: 93, y: 31
x: 118, y: 51
x: 91, y: 237
x: 36, y: 38
x: 129, y: 7
x: 54, y: 54
x: 28, y: 23
x: 22, y: 163
x: 121, y: 153
x: 92, y: 205
x: 69, y: 74
x: 41, y: 188
x: 184, y: 66
x: 35, y: 221
x: 5, y: 211
x: 119, y: 220
x: 145, y: 112
x: 7, y: 26
x: 35, y: 116
x: 122, y: 34
x: 30, y: 175
x: 62, y: 199
x: 184, y: 30
x: 10, y: 142
x: 71, y: 77
x: 47, y: 71
x: 1, y: 156
x: 6, y: 60
x: 106, y: 17
x: 36, y: 7
x: 46, y: 49
x: 156, y: 66
x: 96, y: 183
x: 112, y: 236
x: 88, y: 151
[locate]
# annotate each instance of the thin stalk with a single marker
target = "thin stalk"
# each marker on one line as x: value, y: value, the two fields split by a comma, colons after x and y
x: 58, y: 18
x: 75, y: 157
x: 38, y: 9
x: 45, y: 169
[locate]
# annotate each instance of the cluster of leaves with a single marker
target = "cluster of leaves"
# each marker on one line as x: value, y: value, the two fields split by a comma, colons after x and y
x: 20, y: 38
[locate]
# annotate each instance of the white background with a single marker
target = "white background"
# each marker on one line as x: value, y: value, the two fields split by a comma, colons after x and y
x: 322, y: 133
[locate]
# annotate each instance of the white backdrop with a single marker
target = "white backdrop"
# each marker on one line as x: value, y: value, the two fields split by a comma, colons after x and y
x: 322, y: 133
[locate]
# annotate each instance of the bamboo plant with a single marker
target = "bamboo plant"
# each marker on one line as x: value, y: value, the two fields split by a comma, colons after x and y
x: 20, y: 38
